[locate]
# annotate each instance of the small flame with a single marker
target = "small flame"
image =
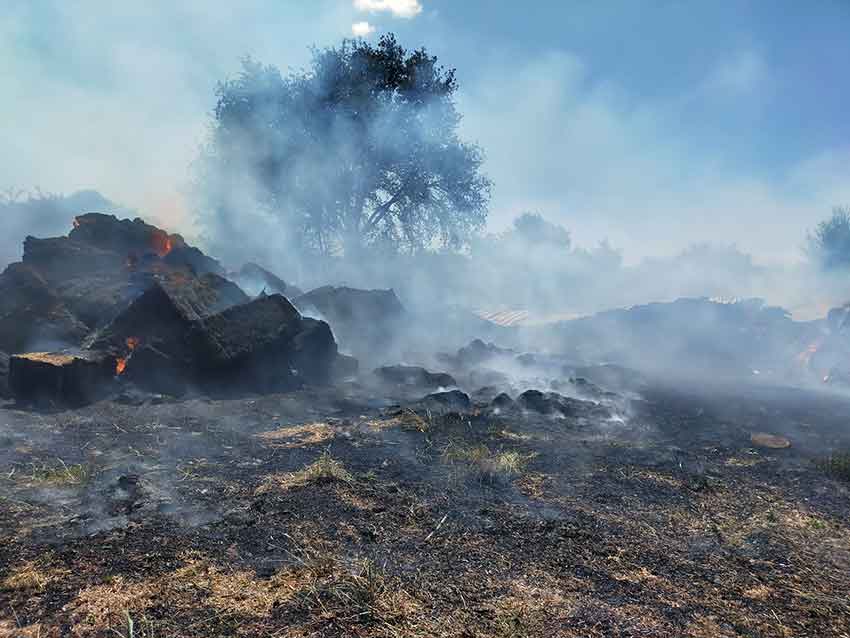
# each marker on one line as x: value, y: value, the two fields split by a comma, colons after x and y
x: 121, y: 362
x: 76, y: 222
x: 161, y: 243
x: 805, y: 357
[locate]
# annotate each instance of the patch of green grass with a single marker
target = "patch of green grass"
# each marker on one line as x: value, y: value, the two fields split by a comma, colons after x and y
x: 62, y: 474
x: 818, y: 523
x: 325, y: 468
x: 488, y: 464
x: 412, y: 422
x: 143, y: 628
x: 837, y: 465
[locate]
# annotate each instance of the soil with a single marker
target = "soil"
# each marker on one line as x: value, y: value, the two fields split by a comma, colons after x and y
x: 330, y: 513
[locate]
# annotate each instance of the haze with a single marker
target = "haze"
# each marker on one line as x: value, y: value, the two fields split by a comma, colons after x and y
x: 654, y: 126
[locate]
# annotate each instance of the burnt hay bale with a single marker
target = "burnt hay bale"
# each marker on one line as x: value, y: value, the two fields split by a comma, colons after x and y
x: 68, y: 377
x: 451, y: 401
x: 253, y: 277
x: 155, y: 371
x: 31, y: 315
x: 502, y: 403
x: 4, y: 376
x: 365, y: 322
x: 264, y: 345
x: 414, y: 376
x: 554, y: 404
x: 135, y: 238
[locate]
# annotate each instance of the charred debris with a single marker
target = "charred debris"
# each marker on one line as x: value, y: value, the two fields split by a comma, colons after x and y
x: 120, y: 303
x: 564, y: 467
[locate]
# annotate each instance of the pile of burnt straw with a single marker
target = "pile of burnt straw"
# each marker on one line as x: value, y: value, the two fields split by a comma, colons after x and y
x: 121, y: 300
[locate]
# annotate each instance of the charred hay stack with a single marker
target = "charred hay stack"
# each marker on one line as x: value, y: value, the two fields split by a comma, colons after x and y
x: 367, y: 322
x: 69, y: 377
x: 4, y: 376
x: 121, y: 300
x: 254, y: 278
x: 105, y: 262
x: 65, y: 287
x: 33, y: 314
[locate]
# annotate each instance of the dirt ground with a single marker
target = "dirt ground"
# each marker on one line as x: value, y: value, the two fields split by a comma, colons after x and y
x: 323, y: 514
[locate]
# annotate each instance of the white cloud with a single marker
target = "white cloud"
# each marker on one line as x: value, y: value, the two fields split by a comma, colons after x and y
x: 362, y: 29
x: 398, y: 8
x: 743, y: 73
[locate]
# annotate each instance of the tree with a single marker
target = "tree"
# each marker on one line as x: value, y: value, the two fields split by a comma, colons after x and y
x: 830, y: 242
x: 360, y: 149
x: 534, y: 229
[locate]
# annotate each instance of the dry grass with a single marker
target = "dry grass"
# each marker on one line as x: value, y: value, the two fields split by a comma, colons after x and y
x: 511, y: 435
x: 234, y: 591
x: 61, y: 474
x: 759, y: 592
x: 139, y: 627
x: 411, y: 421
x: 651, y: 476
x: 487, y: 464
x: 331, y: 592
x: 32, y: 575
x: 11, y: 628
x: 534, y: 604
x: 52, y: 358
x: 317, y: 590
x: 112, y: 605
x: 744, y: 461
x: 304, y: 435
x: 325, y: 469
x: 534, y: 484
x: 837, y: 465
x: 428, y: 422
x: 616, y: 543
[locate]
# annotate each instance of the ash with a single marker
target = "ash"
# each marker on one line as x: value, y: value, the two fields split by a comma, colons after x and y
x: 181, y: 457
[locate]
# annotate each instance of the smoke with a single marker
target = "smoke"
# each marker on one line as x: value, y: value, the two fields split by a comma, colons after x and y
x: 672, y: 223
x: 119, y: 100
x: 653, y: 210
x: 43, y: 215
x: 584, y: 153
x: 564, y: 134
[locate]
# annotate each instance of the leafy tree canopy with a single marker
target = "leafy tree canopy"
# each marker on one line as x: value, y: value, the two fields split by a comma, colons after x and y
x: 360, y: 149
x: 829, y: 244
x: 533, y: 228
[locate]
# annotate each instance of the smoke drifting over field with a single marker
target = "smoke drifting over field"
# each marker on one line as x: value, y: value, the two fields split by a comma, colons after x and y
x: 565, y: 132
x: 539, y: 337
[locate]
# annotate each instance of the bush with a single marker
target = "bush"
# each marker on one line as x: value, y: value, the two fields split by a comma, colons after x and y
x: 829, y: 244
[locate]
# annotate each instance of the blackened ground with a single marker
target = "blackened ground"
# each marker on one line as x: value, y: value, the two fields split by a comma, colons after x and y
x: 319, y: 514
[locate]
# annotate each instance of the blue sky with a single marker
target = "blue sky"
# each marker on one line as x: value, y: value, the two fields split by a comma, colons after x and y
x: 654, y: 124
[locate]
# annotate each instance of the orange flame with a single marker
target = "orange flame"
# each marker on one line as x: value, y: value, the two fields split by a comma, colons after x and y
x: 161, y: 243
x: 805, y: 357
x: 121, y: 362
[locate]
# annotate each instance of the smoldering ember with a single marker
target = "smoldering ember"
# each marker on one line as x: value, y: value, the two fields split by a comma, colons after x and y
x: 328, y: 395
